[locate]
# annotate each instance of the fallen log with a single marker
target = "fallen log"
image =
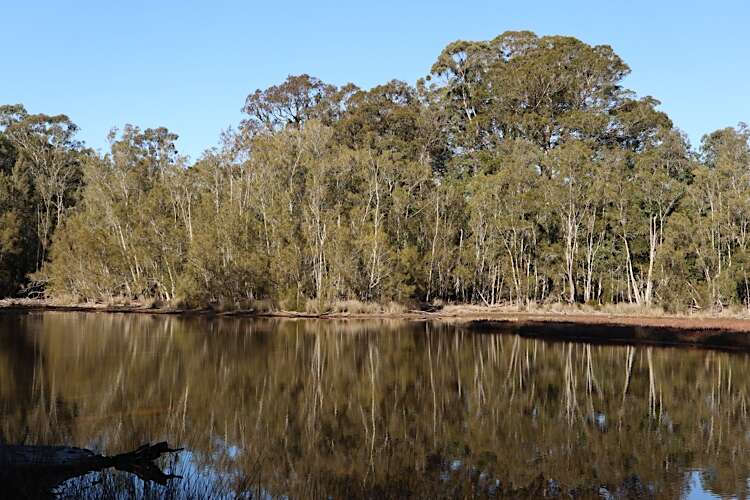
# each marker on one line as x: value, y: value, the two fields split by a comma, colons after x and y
x: 34, y: 471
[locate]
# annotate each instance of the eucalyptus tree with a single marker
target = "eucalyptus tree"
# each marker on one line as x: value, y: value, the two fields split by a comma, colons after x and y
x: 18, y: 239
x: 505, y: 218
x: 293, y: 102
x: 520, y: 170
x: 518, y: 85
x: 394, y: 137
x: 130, y: 216
x: 553, y: 88
x: 51, y: 159
x: 575, y: 196
x: 662, y: 175
x: 650, y: 186
x: 714, y: 221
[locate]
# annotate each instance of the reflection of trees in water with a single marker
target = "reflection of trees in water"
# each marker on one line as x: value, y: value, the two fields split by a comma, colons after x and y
x: 373, y: 406
x: 16, y: 355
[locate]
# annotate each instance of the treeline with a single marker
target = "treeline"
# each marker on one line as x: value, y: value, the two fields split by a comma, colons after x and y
x: 519, y: 171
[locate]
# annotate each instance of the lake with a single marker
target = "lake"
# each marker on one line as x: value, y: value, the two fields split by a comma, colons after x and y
x: 373, y: 408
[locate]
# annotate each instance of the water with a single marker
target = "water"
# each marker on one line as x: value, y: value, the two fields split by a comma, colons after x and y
x: 315, y: 409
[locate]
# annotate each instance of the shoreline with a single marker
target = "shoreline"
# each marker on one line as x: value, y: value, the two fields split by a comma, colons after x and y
x: 717, y: 331
x: 566, y: 314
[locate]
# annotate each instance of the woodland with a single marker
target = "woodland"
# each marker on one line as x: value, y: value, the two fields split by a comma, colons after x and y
x: 520, y: 171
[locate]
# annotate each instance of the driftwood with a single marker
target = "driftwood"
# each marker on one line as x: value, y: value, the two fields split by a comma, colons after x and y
x: 34, y: 471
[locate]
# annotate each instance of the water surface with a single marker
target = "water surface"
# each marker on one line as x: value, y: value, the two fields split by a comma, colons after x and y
x: 374, y: 409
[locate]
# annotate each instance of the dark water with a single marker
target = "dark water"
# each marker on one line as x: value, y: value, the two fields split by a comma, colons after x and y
x: 376, y: 409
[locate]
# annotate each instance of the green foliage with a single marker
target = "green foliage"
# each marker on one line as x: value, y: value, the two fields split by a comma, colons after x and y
x: 39, y: 178
x: 519, y: 171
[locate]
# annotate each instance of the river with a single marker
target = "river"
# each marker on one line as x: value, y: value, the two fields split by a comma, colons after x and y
x: 373, y: 408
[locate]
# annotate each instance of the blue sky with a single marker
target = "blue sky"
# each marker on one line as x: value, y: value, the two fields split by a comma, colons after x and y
x: 189, y: 65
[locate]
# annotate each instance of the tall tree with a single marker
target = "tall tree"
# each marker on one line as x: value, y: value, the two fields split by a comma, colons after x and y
x: 51, y: 158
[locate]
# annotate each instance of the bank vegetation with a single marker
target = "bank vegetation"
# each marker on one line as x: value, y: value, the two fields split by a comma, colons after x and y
x: 520, y: 171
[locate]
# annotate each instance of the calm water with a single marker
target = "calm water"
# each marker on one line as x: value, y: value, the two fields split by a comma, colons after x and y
x: 374, y: 408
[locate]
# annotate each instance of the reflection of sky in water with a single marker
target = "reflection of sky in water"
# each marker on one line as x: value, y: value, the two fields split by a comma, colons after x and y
x: 696, y: 491
x: 198, y: 481
x: 202, y: 480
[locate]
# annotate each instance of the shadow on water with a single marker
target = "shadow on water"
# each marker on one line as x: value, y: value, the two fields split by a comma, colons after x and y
x: 371, y: 409
x: 617, y: 334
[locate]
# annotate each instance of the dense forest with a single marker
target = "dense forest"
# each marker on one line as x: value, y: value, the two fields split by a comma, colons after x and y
x: 519, y: 171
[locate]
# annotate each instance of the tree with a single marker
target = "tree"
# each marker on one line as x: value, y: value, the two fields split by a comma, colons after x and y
x: 291, y: 103
x: 51, y: 159
x: 519, y: 170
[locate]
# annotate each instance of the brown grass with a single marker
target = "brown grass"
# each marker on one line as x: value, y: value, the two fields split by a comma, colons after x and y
x: 734, y: 319
x: 353, y: 307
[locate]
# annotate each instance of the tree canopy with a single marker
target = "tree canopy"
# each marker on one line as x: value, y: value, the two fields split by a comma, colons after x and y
x: 520, y: 170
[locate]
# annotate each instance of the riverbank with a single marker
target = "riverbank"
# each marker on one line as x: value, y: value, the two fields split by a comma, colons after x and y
x: 558, y: 313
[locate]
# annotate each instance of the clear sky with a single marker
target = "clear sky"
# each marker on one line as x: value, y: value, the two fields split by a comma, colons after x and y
x: 189, y: 65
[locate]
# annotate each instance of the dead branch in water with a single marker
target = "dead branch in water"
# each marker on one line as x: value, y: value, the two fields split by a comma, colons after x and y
x: 34, y: 471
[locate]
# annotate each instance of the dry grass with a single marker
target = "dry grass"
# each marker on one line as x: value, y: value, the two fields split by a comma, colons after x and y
x: 729, y: 319
x: 472, y: 309
x: 260, y: 306
x: 564, y: 309
x: 622, y: 309
x: 735, y: 318
x: 353, y: 307
x: 625, y: 309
